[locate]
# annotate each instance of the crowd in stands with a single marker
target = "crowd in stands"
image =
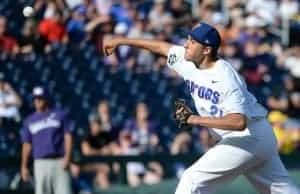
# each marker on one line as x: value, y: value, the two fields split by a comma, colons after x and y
x: 121, y: 104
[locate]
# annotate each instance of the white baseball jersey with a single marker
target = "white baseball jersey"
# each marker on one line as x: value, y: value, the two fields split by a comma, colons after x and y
x: 216, y: 91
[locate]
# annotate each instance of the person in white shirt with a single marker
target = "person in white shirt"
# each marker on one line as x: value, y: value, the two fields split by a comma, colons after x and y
x: 10, y: 101
x: 246, y: 142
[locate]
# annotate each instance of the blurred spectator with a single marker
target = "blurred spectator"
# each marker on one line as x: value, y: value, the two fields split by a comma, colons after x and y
x: 288, y: 139
x: 76, y: 25
x: 142, y: 130
x: 154, y: 173
x: 51, y: 27
x: 159, y: 16
x: 103, y: 6
x: 287, y: 99
x: 291, y: 61
x: 253, y: 70
x: 266, y: 9
x: 180, y: 10
x: 49, y: 7
x: 97, y: 143
x: 139, y: 29
x: 144, y: 59
x: 97, y: 140
x: 126, y: 146
x: 10, y: 101
x: 73, y: 3
x: 30, y: 41
x: 137, y: 173
x: 205, y: 141
x: 258, y: 61
x: 288, y: 8
x: 124, y: 56
x: 123, y: 12
x: 45, y: 9
x: 255, y: 30
x: 97, y: 28
x: 232, y: 31
x: 182, y: 143
x: 231, y: 53
x: 206, y: 10
x: 84, y: 20
x: 104, y: 116
x: 8, y: 44
x: 47, y: 134
x: 103, y: 111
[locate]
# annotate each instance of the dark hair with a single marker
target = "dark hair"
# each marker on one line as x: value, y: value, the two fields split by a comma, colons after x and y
x: 103, y: 101
x: 95, y: 120
x: 214, y: 52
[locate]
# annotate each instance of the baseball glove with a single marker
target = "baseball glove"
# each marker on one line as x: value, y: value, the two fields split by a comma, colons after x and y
x: 181, y: 114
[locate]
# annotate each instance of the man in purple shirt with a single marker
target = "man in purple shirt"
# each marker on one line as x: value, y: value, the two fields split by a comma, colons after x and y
x: 47, y: 134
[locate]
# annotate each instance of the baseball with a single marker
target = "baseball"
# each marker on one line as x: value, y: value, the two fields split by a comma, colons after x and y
x: 28, y: 11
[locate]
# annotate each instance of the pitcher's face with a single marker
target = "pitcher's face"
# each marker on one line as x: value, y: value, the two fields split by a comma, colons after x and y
x: 195, y: 51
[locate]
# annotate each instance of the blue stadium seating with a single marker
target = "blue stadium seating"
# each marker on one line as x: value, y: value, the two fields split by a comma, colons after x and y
x: 77, y: 79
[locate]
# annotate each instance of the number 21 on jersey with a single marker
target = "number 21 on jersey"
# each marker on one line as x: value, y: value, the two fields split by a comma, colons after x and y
x: 215, y: 111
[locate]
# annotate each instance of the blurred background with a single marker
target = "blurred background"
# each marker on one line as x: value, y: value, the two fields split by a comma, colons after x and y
x: 125, y: 138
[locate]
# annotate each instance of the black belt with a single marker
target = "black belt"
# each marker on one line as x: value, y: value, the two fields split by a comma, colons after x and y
x: 51, y: 157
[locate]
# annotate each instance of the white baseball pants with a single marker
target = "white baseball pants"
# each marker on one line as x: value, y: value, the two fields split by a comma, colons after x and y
x: 253, y: 155
x: 50, y: 177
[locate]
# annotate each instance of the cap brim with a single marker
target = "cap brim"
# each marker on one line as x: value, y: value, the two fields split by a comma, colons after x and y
x: 40, y: 97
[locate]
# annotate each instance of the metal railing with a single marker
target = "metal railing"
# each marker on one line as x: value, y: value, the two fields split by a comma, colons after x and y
x: 291, y: 161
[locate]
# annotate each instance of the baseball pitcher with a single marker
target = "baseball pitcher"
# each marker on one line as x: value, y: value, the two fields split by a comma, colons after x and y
x: 246, y: 143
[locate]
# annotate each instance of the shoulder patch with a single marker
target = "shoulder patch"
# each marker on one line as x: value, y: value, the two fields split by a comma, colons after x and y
x: 172, y: 59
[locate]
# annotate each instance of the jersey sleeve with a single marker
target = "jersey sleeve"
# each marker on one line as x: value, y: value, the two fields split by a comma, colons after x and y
x: 26, y: 136
x: 234, y: 102
x: 66, y: 124
x: 177, y: 62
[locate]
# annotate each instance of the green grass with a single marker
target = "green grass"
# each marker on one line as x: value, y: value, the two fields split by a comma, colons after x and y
x: 238, y: 186
x: 242, y: 186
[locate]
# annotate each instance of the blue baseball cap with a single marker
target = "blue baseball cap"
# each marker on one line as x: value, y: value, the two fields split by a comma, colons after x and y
x: 206, y: 34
